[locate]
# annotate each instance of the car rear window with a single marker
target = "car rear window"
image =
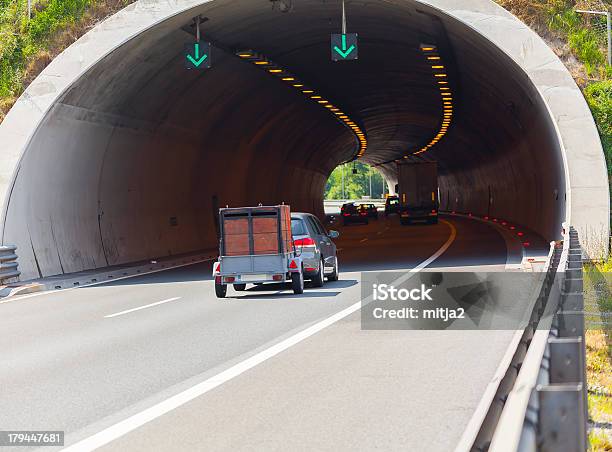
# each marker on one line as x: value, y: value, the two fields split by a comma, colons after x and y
x: 298, y: 227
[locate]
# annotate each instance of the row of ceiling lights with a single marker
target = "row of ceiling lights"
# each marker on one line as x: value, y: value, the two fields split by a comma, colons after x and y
x: 292, y: 80
x: 430, y: 52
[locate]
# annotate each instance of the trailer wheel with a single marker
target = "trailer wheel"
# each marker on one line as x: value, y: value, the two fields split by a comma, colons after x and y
x: 297, y: 283
x: 239, y: 287
x: 220, y: 290
x: 319, y: 278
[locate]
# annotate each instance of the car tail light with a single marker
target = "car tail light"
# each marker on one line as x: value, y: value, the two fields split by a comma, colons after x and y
x: 277, y: 278
x: 512, y: 228
x: 363, y: 213
x: 229, y: 279
x: 526, y: 243
x: 307, y: 241
x: 520, y: 234
x: 486, y: 218
x: 293, y: 265
x: 433, y: 211
x: 347, y: 214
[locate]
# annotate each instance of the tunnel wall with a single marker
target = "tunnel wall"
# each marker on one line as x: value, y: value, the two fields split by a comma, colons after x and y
x: 98, y: 199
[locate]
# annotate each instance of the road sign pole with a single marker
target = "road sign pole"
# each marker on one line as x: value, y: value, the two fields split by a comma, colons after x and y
x: 343, y: 19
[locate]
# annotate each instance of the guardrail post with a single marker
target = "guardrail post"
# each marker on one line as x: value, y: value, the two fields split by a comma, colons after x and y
x: 566, y: 360
x: 8, y: 264
x: 561, y: 428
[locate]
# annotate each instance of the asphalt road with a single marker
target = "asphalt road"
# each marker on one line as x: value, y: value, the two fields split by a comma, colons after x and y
x: 85, y: 360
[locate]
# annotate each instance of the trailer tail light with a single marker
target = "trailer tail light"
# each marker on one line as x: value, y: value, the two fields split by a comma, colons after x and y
x: 217, y: 267
x: 229, y: 279
x: 277, y: 278
x: 307, y: 241
x: 217, y: 280
x: 293, y: 265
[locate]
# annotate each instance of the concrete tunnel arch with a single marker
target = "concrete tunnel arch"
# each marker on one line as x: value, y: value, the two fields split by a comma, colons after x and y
x: 116, y: 154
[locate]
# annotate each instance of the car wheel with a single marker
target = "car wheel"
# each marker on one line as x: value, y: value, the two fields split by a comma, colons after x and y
x: 220, y: 290
x: 297, y: 283
x: 336, y: 274
x: 239, y: 287
x: 319, y: 278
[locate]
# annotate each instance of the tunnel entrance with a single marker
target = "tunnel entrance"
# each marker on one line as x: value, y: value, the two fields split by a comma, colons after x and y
x: 135, y: 155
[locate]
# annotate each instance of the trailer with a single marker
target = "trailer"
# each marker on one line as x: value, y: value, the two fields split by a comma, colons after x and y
x: 256, y: 246
x: 418, y: 192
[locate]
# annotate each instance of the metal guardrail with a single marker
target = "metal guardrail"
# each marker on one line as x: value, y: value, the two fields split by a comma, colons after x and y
x: 8, y: 263
x: 541, y: 402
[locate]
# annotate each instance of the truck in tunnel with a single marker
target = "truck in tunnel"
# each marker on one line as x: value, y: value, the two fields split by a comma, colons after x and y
x: 418, y: 192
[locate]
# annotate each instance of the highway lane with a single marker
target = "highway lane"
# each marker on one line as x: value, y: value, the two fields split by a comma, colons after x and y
x: 68, y: 366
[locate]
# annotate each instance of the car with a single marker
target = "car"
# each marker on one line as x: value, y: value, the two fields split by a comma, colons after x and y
x: 370, y: 210
x: 350, y: 213
x: 315, y: 248
x: 392, y: 205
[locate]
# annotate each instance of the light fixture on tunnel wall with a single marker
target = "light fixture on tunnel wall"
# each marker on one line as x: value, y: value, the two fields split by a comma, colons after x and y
x: 308, y: 92
x: 440, y: 76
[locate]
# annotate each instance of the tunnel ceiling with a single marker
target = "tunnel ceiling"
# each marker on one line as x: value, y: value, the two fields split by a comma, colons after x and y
x: 390, y: 91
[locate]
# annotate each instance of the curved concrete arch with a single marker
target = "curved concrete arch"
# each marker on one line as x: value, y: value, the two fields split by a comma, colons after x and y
x: 89, y: 179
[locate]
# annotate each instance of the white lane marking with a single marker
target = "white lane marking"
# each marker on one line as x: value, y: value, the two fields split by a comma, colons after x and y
x: 157, y: 303
x: 139, y: 419
x: 363, y: 240
x: 97, y: 283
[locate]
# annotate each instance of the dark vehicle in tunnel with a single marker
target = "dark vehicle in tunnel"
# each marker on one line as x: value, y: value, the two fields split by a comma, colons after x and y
x: 418, y: 192
x: 391, y: 205
x: 315, y: 247
x: 256, y: 247
x: 350, y: 213
x: 370, y: 210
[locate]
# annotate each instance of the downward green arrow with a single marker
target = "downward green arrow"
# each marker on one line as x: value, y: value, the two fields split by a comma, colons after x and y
x: 344, y: 52
x: 197, y: 61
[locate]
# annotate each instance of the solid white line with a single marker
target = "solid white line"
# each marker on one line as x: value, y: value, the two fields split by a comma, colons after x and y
x: 363, y: 240
x: 137, y: 420
x: 107, y: 281
x: 157, y: 303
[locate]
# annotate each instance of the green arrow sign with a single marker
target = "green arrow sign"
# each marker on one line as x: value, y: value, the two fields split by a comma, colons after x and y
x: 344, y: 47
x: 197, y: 55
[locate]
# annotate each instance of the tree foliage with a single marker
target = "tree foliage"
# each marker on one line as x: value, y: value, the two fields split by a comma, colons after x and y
x: 356, y: 185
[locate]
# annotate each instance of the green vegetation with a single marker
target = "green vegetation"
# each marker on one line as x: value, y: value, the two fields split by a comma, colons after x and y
x: 28, y: 45
x: 598, y: 308
x: 557, y: 22
x: 599, y: 97
x: 356, y: 185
